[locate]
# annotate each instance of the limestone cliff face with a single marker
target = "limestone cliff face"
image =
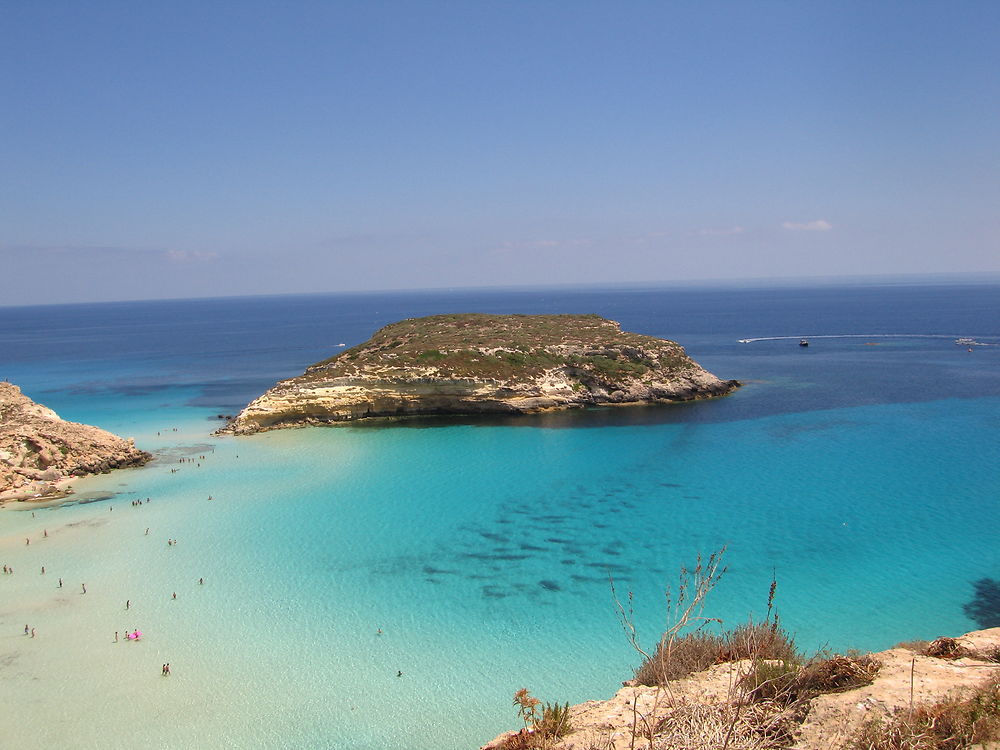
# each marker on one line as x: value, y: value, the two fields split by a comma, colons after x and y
x: 474, y: 364
x: 37, y: 447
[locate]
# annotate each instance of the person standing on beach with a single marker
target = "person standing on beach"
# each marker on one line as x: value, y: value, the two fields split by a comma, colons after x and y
x: 32, y: 632
x: 84, y: 586
x: 60, y: 583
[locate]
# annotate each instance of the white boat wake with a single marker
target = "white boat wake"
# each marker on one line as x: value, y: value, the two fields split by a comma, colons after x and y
x: 960, y: 340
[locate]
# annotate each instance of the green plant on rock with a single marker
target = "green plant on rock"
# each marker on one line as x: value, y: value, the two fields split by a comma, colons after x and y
x: 543, y: 724
x: 555, y: 721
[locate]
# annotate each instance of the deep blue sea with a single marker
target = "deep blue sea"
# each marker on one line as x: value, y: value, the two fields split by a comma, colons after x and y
x: 859, y: 471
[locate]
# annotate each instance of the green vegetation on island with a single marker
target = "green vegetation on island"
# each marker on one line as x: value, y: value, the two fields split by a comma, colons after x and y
x: 478, y: 364
x: 474, y: 345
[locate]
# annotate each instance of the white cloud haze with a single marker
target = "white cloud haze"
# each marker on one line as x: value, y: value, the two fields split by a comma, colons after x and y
x: 820, y: 225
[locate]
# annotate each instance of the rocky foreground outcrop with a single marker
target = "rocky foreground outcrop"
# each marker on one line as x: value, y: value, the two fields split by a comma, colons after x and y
x: 709, y: 710
x: 37, y: 448
x: 484, y: 364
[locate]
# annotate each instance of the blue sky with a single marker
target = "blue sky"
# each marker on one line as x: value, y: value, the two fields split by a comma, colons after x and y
x: 190, y: 149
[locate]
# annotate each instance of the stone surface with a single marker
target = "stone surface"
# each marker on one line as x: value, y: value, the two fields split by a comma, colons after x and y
x: 484, y: 364
x: 37, y: 448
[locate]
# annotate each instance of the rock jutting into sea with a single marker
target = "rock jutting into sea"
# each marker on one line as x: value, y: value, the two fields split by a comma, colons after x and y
x: 483, y: 364
x: 38, y: 449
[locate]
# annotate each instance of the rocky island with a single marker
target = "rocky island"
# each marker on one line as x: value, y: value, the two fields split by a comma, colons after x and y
x: 38, y: 449
x: 483, y: 364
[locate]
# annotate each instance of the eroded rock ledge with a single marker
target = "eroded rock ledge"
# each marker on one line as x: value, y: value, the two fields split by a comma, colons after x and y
x: 699, y: 712
x: 37, y: 448
x: 483, y: 364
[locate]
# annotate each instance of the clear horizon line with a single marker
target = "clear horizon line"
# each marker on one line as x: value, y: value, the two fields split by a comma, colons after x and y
x: 758, y: 282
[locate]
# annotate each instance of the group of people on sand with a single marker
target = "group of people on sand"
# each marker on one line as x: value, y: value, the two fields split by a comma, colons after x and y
x: 165, y: 670
x: 139, y: 503
x: 31, y: 630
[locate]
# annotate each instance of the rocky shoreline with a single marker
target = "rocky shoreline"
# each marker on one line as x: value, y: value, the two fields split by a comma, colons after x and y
x: 39, y: 451
x: 699, y: 711
x: 484, y: 364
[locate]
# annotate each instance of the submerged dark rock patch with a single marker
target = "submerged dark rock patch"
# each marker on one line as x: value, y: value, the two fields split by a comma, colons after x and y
x: 493, y: 592
x: 588, y: 579
x: 984, y: 607
x: 432, y: 571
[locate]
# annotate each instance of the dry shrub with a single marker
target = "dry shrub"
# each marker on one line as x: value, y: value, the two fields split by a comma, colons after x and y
x: 526, y: 739
x: 991, y: 654
x: 785, y: 683
x: 837, y: 673
x: 766, y: 640
x: 970, y: 719
x: 696, y: 652
x: 690, y: 653
x: 946, y: 648
x: 710, y: 727
x: 523, y: 740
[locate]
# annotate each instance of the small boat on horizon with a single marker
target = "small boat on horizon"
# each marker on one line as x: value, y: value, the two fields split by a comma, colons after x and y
x: 803, y: 342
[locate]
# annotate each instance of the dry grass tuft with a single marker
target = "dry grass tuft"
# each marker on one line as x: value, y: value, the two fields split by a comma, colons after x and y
x: 764, y: 726
x: 970, y: 719
x: 838, y: 673
x: 786, y: 683
x: 523, y: 740
x: 695, y: 652
x: 767, y: 640
x: 991, y: 654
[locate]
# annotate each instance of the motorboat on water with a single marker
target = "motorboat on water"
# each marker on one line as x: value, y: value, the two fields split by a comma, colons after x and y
x: 803, y: 342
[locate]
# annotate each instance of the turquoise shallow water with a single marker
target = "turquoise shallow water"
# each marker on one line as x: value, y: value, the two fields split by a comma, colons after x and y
x: 482, y: 551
